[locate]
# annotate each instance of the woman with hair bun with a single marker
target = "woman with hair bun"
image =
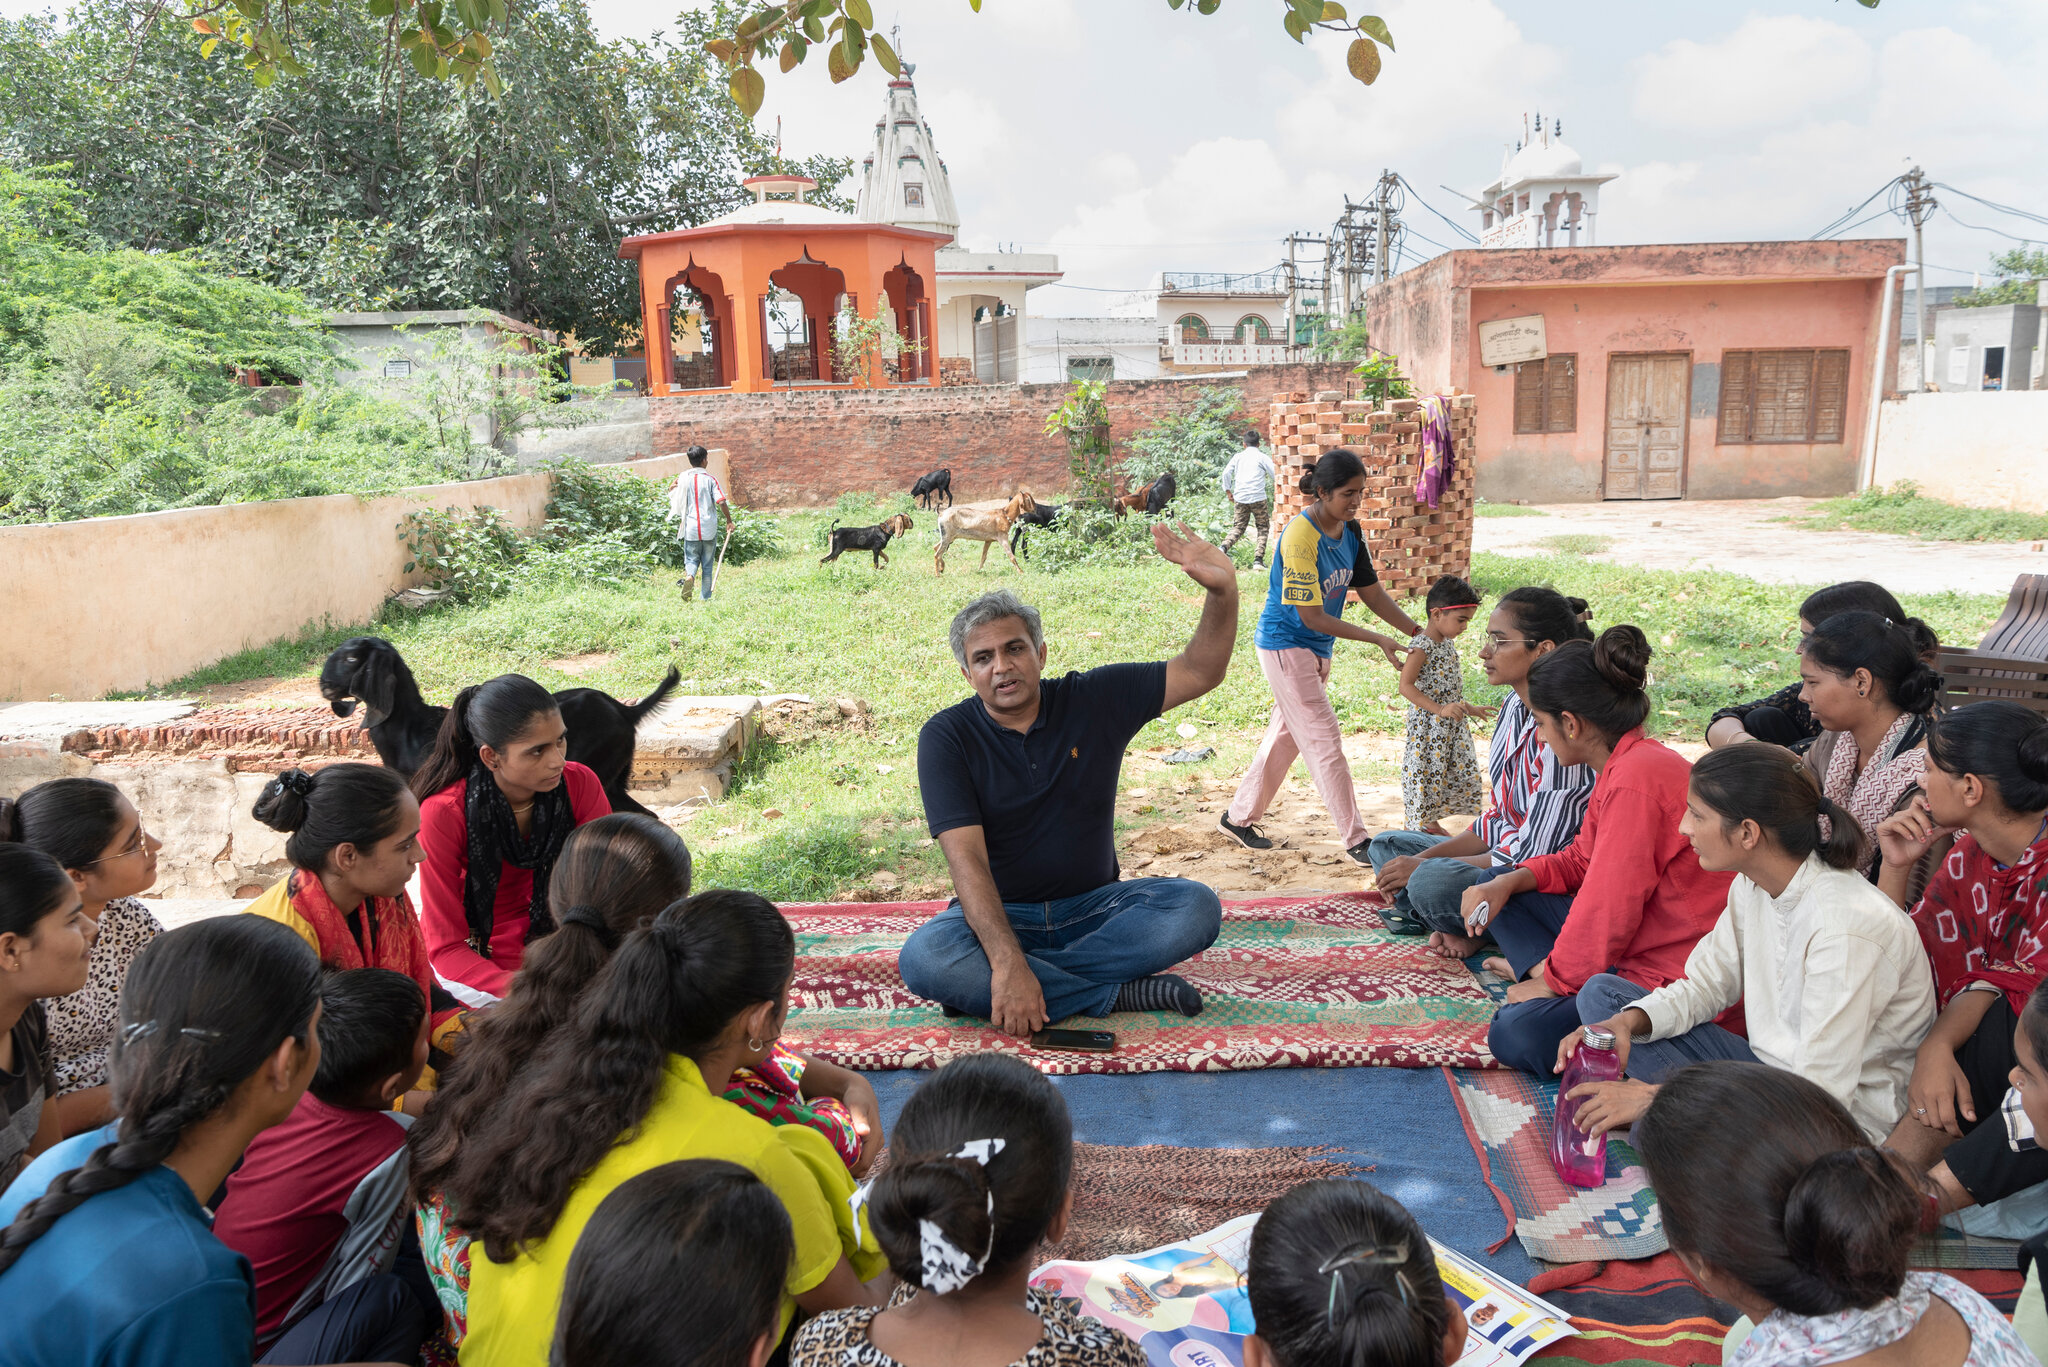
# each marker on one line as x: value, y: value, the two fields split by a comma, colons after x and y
x: 92, y: 829
x: 354, y: 841
x: 979, y: 1177
x: 1321, y: 559
x: 1628, y: 895
x: 1833, y: 982
x: 1865, y: 684
x: 1984, y: 922
x: 1775, y: 1204
x: 498, y: 796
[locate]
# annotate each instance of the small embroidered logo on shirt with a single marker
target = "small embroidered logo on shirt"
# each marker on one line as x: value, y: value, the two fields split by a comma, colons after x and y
x: 1074, y: 753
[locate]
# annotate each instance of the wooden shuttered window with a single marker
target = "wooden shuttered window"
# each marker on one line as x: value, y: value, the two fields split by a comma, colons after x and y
x: 1547, y: 395
x: 1783, y: 396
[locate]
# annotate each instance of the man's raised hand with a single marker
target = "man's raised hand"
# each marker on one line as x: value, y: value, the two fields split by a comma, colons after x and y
x: 1201, y: 561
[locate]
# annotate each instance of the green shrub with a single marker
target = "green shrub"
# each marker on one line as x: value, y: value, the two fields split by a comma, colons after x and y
x: 469, y: 555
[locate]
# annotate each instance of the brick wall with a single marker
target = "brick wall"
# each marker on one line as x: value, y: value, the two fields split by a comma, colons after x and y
x: 806, y: 447
x: 1411, y: 543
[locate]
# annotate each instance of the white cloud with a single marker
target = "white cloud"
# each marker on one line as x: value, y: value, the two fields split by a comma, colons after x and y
x: 1772, y: 68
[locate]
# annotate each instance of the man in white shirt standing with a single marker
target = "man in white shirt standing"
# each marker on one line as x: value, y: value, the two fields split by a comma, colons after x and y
x: 694, y: 505
x: 1248, y: 479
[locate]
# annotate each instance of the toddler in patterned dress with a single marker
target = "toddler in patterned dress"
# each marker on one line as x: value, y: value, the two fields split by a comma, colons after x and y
x: 1440, y: 766
x: 978, y: 1179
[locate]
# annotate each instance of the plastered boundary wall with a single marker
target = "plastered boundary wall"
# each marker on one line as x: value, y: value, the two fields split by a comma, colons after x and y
x: 118, y: 603
x: 1982, y: 450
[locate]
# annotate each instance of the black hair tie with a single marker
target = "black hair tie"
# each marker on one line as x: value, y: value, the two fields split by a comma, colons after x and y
x: 592, y: 920
x: 296, y: 781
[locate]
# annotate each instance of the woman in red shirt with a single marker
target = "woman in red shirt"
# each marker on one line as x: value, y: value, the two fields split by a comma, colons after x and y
x: 1628, y: 895
x: 498, y: 797
x: 1984, y: 923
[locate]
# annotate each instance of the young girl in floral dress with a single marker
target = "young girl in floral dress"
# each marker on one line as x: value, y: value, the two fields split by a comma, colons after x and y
x: 1440, y: 766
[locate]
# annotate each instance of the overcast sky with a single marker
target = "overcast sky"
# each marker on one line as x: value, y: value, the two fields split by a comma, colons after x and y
x: 1131, y: 138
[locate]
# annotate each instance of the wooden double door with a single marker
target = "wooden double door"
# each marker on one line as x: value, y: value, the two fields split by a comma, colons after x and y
x: 1647, y: 396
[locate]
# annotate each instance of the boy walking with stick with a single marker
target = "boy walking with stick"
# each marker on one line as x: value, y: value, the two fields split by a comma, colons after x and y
x: 694, y: 505
x: 1248, y: 479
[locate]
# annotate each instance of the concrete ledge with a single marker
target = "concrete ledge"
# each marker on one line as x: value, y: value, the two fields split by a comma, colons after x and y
x: 195, y: 772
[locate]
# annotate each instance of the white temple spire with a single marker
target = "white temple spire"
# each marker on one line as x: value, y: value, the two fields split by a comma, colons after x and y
x: 903, y: 181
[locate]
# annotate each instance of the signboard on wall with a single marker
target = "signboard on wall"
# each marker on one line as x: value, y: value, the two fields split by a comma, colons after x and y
x: 1506, y: 341
x: 1523, y: 230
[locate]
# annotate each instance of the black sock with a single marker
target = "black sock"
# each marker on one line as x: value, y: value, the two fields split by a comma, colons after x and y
x: 1160, y: 992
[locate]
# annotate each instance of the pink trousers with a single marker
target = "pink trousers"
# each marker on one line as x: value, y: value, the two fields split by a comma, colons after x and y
x: 1303, y: 724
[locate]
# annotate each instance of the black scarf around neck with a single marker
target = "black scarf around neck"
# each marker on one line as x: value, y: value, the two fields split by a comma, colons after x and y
x: 494, y: 841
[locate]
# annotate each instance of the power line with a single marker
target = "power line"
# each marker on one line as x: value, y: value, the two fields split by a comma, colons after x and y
x: 1456, y: 227
x: 1989, y: 204
x: 1831, y: 228
x: 1981, y: 228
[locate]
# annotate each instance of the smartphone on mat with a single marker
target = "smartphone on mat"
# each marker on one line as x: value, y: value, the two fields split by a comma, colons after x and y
x: 1094, y: 1041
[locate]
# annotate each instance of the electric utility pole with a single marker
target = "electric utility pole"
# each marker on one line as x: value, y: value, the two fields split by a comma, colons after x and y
x: 1383, y: 203
x: 1920, y: 203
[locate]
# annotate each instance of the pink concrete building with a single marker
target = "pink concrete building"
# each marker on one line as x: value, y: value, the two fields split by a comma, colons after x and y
x: 1700, y: 370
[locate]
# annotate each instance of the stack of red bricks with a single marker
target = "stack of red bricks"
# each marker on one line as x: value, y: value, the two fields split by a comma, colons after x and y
x: 1411, y: 542
x: 256, y: 741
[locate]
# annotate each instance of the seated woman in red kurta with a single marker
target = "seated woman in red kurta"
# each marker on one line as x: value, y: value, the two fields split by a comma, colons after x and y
x: 1628, y: 896
x: 1984, y: 922
x: 498, y: 798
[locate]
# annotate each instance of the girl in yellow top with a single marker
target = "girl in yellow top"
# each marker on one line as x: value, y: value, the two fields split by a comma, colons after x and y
x: 634, y: 1081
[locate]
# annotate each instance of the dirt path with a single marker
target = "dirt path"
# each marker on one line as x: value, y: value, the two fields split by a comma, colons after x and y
x: 1742, y: 537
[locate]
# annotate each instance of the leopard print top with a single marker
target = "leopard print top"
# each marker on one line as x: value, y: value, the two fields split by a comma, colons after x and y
x: 82, y: 1025
x: 839, y: 1338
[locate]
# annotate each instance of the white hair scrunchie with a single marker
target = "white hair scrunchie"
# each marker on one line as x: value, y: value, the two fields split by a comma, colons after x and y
x: 946, y: 1266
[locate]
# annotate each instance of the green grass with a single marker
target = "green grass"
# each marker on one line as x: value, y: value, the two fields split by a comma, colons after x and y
x: 1902, y: 509
x: 790, y: 625
x: 1481, y: 508
x: 1576, y: 543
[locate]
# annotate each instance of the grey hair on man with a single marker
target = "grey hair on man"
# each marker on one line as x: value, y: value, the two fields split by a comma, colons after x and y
x: 993, y: 607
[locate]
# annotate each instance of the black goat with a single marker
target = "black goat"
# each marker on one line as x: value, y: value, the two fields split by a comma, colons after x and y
x: 1041, y: 515
x: 930, y: 488
x: 875, y: 538
x: 402, y: 724
x: 1160, y: 494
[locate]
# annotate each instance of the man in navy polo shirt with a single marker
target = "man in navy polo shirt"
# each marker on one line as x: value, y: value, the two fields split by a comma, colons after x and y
x: 1019, y: 785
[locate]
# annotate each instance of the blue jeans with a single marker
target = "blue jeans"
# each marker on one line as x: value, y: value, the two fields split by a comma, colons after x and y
x: 1081, y: 949
x: 700, y: 560
x: 1434, y: 898
x: 1604, y: 996
x: 1526, y: 1034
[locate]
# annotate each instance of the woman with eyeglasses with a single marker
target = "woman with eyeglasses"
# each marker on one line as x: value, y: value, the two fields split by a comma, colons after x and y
x: 1538, y: 802
x: 1783, y: 718
x: 93, y: 830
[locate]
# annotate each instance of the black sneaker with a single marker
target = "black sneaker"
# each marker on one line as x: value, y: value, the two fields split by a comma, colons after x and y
x: 1357, y: 852
x: 1247, y: 835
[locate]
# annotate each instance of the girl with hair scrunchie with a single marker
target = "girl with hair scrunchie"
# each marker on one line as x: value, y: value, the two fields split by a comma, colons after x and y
x: 979, y: 1178
x: 498, y: 797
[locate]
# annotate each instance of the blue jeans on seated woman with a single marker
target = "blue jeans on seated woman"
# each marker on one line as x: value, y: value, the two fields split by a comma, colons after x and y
x: 1606, y: 994
x: 1081, y: 949
x: 1435, y: 895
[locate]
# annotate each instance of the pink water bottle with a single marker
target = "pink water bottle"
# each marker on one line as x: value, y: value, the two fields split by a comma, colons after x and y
x: 1580, y: 1158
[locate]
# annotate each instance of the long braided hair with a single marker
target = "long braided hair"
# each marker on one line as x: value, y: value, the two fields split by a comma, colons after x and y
x: 203, y: 1007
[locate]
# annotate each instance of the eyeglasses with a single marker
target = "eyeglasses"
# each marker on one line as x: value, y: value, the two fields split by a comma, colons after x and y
x: 136, y: 846
x: 1496, y: 640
